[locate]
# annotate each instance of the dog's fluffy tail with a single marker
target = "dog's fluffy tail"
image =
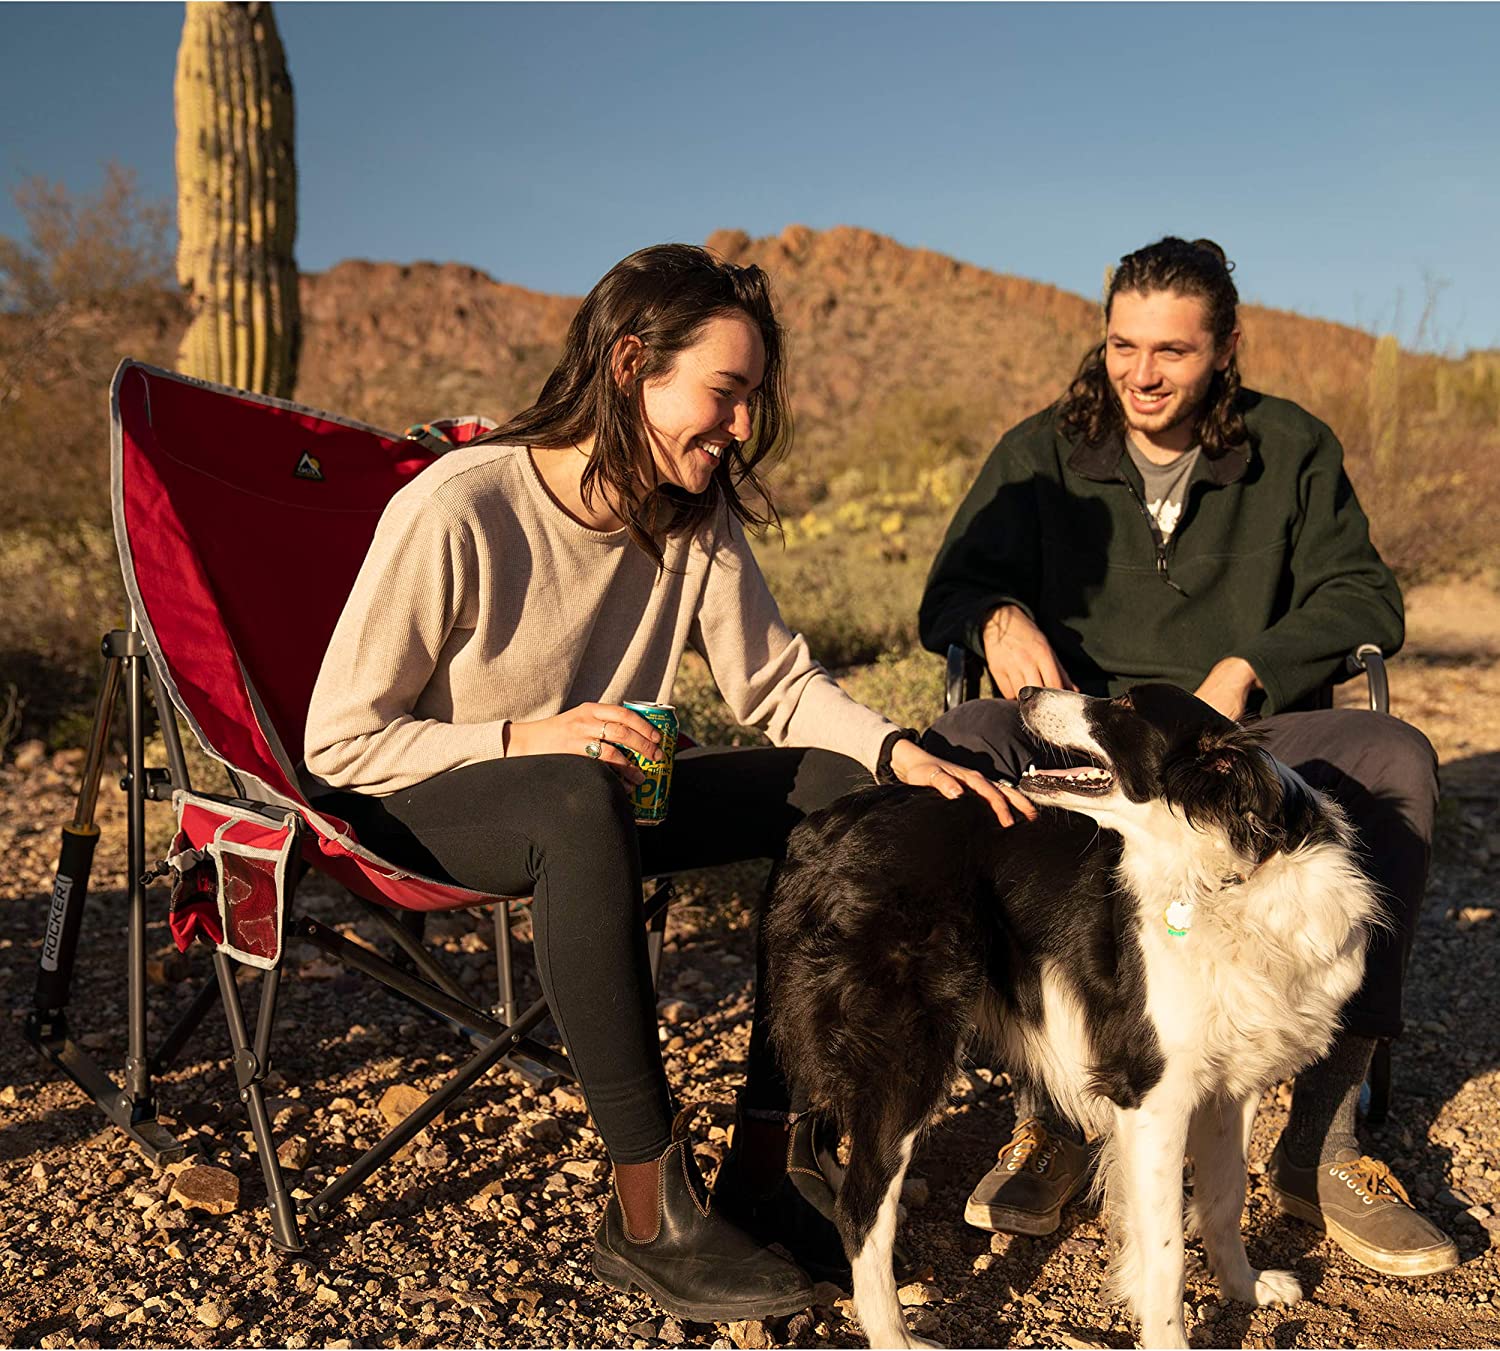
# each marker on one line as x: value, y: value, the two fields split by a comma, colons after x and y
x: 874, y: 966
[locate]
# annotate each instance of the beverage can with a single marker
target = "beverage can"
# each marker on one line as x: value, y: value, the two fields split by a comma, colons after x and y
x: 649, y: 798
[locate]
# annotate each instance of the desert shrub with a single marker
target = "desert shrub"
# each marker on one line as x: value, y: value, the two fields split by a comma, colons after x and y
x: 62, y: 591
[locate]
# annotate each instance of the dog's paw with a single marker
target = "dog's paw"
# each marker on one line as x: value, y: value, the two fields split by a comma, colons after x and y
x: 1264, y: 1287
x: 1277, y: 1287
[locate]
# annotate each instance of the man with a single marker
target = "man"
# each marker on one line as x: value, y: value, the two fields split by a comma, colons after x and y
x: 1163, y: 523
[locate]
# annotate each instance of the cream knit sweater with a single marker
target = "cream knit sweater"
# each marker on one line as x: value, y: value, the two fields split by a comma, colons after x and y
x: 482, y: 601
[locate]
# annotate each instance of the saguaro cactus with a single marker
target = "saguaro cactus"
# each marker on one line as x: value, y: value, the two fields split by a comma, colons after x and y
x: 1385, y: 402
x: 237, y: 198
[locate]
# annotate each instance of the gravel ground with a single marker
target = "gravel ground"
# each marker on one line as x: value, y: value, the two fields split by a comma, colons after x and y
x: 481, y: 1235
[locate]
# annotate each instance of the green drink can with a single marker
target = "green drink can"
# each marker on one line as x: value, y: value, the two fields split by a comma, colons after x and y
x: 649, y: 798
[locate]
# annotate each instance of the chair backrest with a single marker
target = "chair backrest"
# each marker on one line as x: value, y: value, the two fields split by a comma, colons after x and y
x: 241, y: 523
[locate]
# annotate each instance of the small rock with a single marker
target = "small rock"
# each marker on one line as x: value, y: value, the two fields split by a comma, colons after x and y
x: 294, y: 1153
x: 826, y: 1295
x: 115, y: 1308
x: 1078, y: 1247
x: 750, y: 1336
x: 678, y: 1011
x: 590, y: 1170
x: 1454, y: 1198
x: 399, y: 1101
x: 170, y: 969
x: 545, y: 1130
x: 204, y: 1187
x: 29, y: 754
x: 1480, y: 1213
x: 209, y: 1314
x: 799, y: 1328
x: 646, y: 1329
x: 1477, y: 914
x: 8, y: 1096
x: 924, y: 1322
x: 1079, y: 1343
x: 986, y: 1261
x: 915, y: 1193
x: 326, y: 1294
x: 918, y: 1293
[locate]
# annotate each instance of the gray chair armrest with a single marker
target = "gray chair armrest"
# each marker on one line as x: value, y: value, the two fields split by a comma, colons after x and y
x: 1367, y: 658
x: 965, y: 671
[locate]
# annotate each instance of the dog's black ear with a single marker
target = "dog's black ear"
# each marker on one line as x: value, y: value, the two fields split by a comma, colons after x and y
x: 1225, y: 781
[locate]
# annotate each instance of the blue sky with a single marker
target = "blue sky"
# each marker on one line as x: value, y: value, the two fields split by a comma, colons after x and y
x: 1346, y: 156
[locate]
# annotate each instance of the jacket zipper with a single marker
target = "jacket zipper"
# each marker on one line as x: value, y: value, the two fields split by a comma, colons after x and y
x: 1156, y: 539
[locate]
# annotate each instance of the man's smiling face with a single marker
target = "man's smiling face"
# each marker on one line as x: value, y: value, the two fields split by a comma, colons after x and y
x: 1160, y: 357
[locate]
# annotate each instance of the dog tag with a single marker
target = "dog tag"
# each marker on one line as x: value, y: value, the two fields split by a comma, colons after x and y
x: 1179, y: 918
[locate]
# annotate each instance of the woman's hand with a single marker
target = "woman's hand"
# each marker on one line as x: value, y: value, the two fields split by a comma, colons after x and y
x: 911, y: 764
x: 595, y: 730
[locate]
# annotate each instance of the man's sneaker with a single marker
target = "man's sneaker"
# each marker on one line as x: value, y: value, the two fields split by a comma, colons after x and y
x: 1365, y: 1210
x: 1038, y: 1174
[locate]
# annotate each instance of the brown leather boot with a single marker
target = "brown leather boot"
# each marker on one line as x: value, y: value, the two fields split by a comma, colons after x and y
x: 696, y: 1264
x: 1039, y: 1172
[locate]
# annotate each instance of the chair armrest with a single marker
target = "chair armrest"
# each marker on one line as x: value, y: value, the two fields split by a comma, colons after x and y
x: 965, y: 671
x: 1367, y: 658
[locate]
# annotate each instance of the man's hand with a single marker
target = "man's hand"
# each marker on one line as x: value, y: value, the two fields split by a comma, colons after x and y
x: 911, y: 764
x: 1227, y: 687
x: 1018, y: 655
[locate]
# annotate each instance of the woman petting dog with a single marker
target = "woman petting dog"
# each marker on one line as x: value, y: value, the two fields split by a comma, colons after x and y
x: 470, y: 717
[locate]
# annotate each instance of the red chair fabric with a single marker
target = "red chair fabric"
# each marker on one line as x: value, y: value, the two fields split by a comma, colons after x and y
x: 241, y: 523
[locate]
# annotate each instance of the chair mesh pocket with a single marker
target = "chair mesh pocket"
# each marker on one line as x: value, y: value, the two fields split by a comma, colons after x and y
x: 251, y: 855
x: 250, y: 903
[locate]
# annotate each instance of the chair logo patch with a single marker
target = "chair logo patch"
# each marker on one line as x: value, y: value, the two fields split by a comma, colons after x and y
x: 309, y: 468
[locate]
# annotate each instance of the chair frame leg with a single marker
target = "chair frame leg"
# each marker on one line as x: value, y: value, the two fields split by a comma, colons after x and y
x: 251, y: 1063
x: 131, y: 1106
x: 1379, y: 1105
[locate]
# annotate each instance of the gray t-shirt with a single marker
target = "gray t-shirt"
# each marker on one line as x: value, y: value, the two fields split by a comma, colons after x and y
x: 1166, y: 486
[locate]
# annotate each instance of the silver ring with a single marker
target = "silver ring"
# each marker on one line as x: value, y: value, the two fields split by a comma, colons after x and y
x: 592, y: 749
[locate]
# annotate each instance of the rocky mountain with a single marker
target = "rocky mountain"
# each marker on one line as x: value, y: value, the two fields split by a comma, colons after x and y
x: 885, y: 341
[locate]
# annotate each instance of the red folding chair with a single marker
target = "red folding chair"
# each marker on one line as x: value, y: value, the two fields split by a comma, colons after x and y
x: 241, y: 523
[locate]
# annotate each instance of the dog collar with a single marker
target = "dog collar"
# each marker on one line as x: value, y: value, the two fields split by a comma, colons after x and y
x: 1178, y: 918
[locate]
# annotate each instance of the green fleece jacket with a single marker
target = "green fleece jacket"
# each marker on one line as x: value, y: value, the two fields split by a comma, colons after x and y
x: 1271, y: 560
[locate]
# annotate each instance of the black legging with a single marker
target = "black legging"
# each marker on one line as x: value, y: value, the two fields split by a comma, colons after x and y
x: 560, y: 828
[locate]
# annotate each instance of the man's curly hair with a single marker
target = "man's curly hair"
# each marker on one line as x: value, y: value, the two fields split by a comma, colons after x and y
x: 1090, y: 410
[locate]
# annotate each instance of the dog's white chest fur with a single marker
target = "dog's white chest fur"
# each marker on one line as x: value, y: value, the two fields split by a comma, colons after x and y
x: 1249, y: 989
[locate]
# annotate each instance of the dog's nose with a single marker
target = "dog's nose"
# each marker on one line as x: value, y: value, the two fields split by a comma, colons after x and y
x: 1027, y: 692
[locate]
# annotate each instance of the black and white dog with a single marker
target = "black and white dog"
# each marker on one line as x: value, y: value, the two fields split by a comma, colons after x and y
x: 1155, y: 976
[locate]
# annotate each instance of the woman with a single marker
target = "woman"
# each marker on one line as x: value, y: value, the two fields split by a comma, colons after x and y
x: 470, y: 708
